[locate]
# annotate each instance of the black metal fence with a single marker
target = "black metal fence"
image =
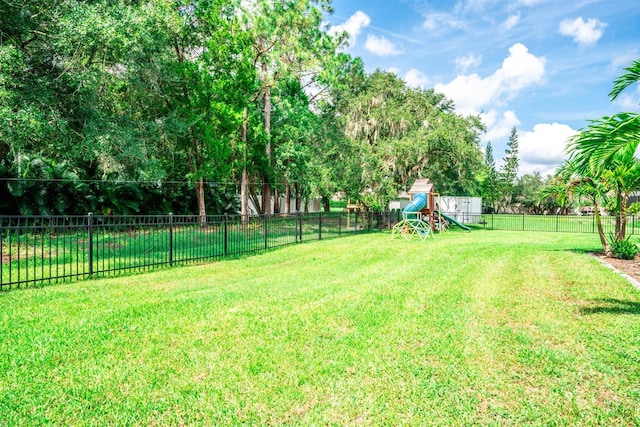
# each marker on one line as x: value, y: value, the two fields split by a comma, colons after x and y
x: 36, y: 251
x: 552, y: 223
x: 39, y: 250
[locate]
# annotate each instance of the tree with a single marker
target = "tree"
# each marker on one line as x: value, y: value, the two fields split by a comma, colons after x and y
x: 491, y: 182
x: 604, y: 151
x: 207, y: 75
x: 509, y: 170
x: 623, y: 178
x: 592, y: 189
x: 61, y: 87
x: 288, y: 42
x: 404, y: 133
x: 528, y: 192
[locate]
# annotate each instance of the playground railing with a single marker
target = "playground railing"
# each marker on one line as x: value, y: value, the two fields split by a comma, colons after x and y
x: 41, y: 250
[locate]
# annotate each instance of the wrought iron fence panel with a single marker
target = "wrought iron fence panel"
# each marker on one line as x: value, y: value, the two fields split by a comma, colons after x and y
x: 553, y: 223
x: 36, y: 251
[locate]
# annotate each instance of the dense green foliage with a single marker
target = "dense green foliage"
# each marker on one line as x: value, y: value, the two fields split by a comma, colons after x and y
x: 624, y: 248
x: 402, y: 133
x: 155, y: 106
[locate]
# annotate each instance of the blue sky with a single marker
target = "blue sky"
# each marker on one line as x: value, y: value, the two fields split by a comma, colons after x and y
x: 544, y: 66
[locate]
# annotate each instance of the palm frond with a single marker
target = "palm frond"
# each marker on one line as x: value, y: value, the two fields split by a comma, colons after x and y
x: 594, y: 148
x: 622, y: 82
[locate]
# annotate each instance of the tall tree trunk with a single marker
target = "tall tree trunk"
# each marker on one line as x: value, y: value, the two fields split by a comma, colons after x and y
x: 603, y: 239
x: 202, y: 212
x: 297, y: 188
x: 326, y: 204
x: 266, y: 186
x: 244, y: 184
x: 276, y: 201
x: 623, y: 218
x: 244, y: 195
x: 618, y: 216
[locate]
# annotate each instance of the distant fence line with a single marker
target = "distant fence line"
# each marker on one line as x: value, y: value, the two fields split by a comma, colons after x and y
x: 552, y: 223
x: 39, y: 250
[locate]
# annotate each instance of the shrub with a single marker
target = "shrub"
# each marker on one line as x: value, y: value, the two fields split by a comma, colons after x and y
x: 634, y: 209
x: 624, y: 249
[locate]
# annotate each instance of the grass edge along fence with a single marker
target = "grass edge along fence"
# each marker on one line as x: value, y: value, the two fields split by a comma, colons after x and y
x: 42, y: 250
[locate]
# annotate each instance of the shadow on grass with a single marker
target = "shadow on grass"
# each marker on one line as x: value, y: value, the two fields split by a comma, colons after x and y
x: 596, y: 252
x: 612, y: 306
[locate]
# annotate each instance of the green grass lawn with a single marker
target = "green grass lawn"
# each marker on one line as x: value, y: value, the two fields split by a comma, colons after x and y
x: 480, y: 328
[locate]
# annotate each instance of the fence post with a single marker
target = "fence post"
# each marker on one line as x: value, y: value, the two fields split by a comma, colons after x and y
x: 225, y: 247
x: 171, y: 239
x: 90, y: 238
x: 593, y: 223
x: 557, y: 219
x: 320, y: 225
x: 339, y: 223
x: 522, y: 222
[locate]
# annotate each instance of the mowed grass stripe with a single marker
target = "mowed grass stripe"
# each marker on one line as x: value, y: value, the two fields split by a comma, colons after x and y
x: 481, y: 328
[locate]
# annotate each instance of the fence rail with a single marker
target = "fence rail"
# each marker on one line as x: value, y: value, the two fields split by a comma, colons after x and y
x: 38, y: 250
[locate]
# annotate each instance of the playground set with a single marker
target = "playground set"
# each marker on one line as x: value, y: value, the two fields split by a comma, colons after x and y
x: 421, y: 217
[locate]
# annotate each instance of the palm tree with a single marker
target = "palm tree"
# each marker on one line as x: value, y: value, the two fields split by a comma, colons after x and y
x: 603, y: 152
x: 597, y: 144
x: 591, y: 189
x: 623, y: 177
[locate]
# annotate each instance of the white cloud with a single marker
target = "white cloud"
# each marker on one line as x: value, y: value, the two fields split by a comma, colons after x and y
x: 469, y: 92
x: 435, y: 21
x: 629, y: 101
x: 520, y: 70
x: 543, y: 148
x: 583, y: 33
x: 511, y: 22
x: 623, y: 60
x: 416, y: 78
x: 472, y: 93
x: 498, y: 126
x: 381, y: 46
x: 353, y: 26
x: 463, y: 63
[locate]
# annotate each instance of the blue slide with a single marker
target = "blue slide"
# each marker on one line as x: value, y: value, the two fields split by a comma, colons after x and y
x: 415, y: 205
x: 453, y: 221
